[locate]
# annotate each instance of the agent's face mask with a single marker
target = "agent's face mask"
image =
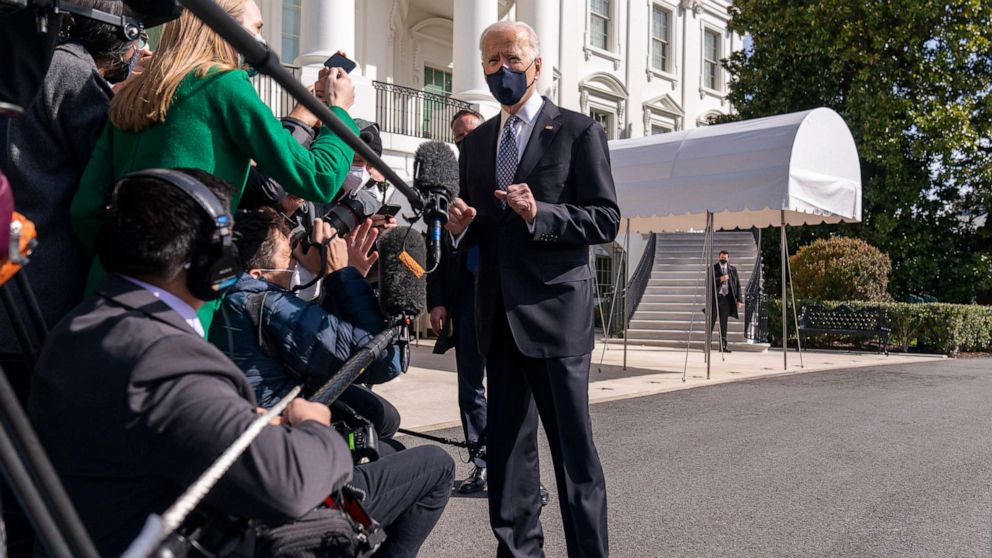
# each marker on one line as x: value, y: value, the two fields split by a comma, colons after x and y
x: 723, y: 260
x: 357, y: 177
x: 509, y: 86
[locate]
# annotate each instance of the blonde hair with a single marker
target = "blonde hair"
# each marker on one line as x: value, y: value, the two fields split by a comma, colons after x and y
x: 187, y: 45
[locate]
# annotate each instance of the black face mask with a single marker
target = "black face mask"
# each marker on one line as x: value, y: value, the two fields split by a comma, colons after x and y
x: 508, y: 86
x: 123, y: 69
x: 723, y: 261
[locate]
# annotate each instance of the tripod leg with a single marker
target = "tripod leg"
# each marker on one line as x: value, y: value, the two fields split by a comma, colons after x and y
x: 34, y: 311
x: 20, y: 328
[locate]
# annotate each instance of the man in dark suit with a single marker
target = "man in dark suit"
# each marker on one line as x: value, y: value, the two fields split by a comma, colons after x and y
x: 133, y: 404
x: 536, y: 192
x: 728, y: 295
x: 451, y: 301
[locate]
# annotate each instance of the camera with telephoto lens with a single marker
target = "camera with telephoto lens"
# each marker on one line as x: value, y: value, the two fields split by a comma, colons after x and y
x: 344, y: 215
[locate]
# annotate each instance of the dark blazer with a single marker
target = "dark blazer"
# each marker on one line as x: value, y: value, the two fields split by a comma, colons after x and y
x: 132, y: 406
x: 543, y: 278
x: 734, y: 285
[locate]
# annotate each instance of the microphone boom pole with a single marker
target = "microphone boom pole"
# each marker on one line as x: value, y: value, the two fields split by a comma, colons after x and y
x: 356, y: 365
x: 266, y: 62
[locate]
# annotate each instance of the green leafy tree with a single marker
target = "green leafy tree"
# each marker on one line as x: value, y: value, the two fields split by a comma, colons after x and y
x: 912, y: 80
x: 841, y: 268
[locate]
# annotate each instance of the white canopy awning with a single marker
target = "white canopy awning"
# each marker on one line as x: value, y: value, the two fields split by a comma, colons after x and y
x: 746, y: 173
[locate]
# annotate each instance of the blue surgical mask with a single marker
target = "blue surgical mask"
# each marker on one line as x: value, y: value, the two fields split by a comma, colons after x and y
x: 507, y: 85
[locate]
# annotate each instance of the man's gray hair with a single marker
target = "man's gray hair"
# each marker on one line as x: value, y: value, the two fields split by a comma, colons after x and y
x: 533, y: 43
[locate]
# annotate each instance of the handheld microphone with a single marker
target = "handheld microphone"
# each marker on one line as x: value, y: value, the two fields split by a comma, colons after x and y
x: 435, y: 175
x: 402, y: 281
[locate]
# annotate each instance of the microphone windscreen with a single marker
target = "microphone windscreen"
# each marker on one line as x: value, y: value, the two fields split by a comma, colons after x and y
x: 435, y: 167
x: 402, y: 280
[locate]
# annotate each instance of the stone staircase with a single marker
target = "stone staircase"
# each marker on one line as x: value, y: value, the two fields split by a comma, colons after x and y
x: 673, y: 299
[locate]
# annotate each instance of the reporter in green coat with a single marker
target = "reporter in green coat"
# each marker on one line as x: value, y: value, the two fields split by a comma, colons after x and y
x: 194, y: 107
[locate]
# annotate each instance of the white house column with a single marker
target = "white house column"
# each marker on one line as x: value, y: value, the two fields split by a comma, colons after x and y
x: 325, y: 28
x: 542, y: 15
x: 468, y: 80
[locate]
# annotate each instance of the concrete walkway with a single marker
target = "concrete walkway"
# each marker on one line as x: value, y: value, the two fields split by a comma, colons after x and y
x: 427, y: 395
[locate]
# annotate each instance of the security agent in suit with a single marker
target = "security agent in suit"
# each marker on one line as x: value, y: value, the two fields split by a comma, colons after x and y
x: 451, y: 300
x: 728, y: 295
x: 132, y: 404
x: 536, y: 191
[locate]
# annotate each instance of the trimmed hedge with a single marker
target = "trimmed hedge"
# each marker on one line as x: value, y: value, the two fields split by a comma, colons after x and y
x: 841, y: 268
x: 934, y: 327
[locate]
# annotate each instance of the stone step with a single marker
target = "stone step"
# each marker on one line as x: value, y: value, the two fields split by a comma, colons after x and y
x: 674, y: 306
x: 694, y: 280
x: 698, y: 345
x: 673, y: 334
x: 694, y: 257
x: 728, y: 246
x: 682, y: 325
x: 668, y: 315
x: 701, y: 234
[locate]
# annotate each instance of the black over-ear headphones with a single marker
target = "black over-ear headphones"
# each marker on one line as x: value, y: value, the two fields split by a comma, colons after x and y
x: 214, y: 264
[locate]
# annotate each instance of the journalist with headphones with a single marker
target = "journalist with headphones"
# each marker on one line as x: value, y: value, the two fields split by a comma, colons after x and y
x: 132, y: 404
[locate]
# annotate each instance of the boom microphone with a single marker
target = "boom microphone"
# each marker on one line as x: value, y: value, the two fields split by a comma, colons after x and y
x: 435, y: 175
x: 402, y: 282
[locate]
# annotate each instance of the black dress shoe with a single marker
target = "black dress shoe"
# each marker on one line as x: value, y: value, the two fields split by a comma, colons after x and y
x: 545, y: 496
x: 475, y: 482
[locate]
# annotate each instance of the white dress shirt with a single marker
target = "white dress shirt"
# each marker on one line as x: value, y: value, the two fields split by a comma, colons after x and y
x: 177, y: 304
x: 522, y: 129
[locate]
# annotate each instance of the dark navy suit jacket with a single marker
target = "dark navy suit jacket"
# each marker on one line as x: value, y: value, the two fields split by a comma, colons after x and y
x: 543, y: 278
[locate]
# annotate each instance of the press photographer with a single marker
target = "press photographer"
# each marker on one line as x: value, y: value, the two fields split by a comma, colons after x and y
x: 280, y: 340
x: 132, y: 403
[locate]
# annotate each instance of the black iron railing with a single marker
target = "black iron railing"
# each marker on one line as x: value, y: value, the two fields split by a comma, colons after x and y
x: 273, y: 94
x: 412, y: 112
x: 639, y: 280
x: 755, y: 301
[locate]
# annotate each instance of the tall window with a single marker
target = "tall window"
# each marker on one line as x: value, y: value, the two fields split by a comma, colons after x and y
x: 660, y: 39
x: 711, y: 60
x: 290, y: 30
x: 437, y: 82
x: 599, y: 23
x: 605, y: 119
x: 657, y: 129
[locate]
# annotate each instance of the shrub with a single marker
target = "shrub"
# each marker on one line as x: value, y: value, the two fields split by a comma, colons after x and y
x: 841, y: 268
x: 935, y: 327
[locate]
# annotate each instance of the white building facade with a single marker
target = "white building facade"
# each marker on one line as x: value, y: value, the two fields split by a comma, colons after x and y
x: 639, y: 67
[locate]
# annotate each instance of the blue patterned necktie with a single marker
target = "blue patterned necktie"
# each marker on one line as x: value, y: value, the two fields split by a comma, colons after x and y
x: 506, y: 159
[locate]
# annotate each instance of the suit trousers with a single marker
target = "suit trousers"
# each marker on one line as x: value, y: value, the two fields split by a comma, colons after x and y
x: 724, y: 305
x: 522, y: 389
x: 470, y: 364
x: 406, y: 492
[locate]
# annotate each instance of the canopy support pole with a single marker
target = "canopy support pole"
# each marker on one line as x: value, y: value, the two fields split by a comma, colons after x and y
x: 795, y: 316
x: 785, y: 300
x: 710, y: 291
x: 626, y: 281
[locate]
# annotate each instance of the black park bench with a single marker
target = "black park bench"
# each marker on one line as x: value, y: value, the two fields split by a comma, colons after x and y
x: 844, y: 320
